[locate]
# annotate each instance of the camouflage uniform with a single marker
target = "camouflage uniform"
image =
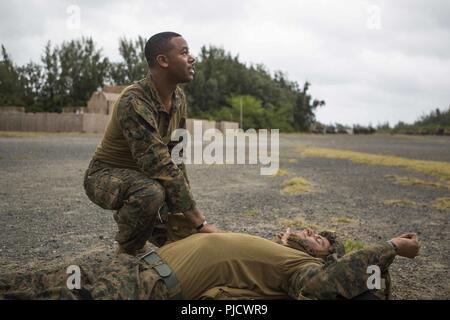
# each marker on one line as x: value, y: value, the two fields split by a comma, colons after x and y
x: 124, y: 278
x: 132, y: 170
x: 346, y: 277
x: 350, y: 265
x: 127, y: 277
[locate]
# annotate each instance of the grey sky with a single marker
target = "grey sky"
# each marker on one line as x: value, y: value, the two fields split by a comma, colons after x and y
x: 371, y: 61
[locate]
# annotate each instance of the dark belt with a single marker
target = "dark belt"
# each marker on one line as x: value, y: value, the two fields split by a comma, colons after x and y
x: 165, y: 272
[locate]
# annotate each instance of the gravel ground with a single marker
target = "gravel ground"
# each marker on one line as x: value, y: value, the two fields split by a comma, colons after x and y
x: 46, y: 219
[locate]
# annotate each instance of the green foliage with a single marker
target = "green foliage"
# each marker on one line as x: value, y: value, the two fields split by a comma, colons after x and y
x: 83, y: 70
x: 11, y: 92
x: 383, y: 127
x: 133, y: 67
x: 437, y: 122
x: 304, y: 109
x: 353, y: 245
x: 71, y: 72
x: 221, y: 81
x: 32, y: 81
x: 253, y: 114
x: 68, y: 75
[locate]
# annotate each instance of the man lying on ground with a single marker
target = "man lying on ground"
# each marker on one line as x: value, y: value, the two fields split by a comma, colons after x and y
x: 303, y: 265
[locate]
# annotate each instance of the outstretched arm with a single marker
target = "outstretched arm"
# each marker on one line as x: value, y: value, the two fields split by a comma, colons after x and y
x: 347, y: 277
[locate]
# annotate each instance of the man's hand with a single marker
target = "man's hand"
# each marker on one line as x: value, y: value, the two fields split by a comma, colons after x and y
x: 197, y: 218
x: 284, y: 236
x: 407, y: 245
x: 210, y: 228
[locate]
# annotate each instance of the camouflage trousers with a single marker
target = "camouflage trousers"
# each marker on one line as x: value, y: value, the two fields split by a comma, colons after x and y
x: 142, y: 213
x: 122, y: 278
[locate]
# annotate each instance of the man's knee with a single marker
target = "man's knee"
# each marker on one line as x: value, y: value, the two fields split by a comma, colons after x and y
x: 149, y: 196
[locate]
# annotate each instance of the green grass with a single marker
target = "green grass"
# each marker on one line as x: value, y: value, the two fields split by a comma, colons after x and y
x: 442, y: 203
x: 400, y: 202
x: 296, y: 186
x: 440, y: 170
x: 411, y: 181
x: 19, y: 134
x: 300, y: 223
x: 253, y: 212
x: 353, y: 245
x: 21, y: 157
x: 281, y: 172
x: 344, y: 220
x: 32, y: 134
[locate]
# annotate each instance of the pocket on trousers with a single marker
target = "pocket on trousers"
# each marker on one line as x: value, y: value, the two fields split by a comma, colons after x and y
x: 104, y: 190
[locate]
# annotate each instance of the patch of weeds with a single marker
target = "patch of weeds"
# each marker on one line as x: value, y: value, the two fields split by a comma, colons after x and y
x: 281, y: 172
x: 296, y: 186
x: 440, y: 170
x: 292, y: 161
x: 410, y: 181
x: 253, y: 212
x: 299, y: 223
x: 442, y: 203
x: 19, y: 134
x: 31, y: 134
x: 400, y: 202
x: 21, y: 157
x: 344, y: 220
x: 353, y: 245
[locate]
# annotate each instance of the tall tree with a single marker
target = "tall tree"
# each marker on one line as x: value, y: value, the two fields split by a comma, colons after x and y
x: 83, y: 70
x: 51, y: 91
x: 32, y: 82
x: 133, y: 66
x: 70, y: 72
x: 11, y: 91
x: 304, y: 109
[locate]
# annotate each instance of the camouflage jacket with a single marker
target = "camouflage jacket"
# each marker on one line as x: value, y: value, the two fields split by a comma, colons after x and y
x: 345, y: 278
x: 126, y: 277
x: 102, y: 278
x: 139, y: 137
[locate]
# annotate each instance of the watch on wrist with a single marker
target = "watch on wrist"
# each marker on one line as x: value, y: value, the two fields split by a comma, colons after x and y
x: 393, y: 245
x: 200, y: 227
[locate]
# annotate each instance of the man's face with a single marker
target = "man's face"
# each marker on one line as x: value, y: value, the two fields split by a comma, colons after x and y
x: 180, y: 61
x: 315, y: 241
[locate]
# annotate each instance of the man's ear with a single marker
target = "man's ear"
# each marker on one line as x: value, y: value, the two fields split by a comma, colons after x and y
x: 162, y: 60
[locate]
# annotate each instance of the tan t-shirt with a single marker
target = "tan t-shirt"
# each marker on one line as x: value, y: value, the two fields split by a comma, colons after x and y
x: 257, y: 267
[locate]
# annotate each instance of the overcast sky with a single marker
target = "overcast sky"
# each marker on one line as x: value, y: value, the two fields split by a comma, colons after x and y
x: 371, y: 61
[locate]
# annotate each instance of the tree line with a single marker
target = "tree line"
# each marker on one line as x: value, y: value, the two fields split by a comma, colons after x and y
x: 67, y: 74
x: 436, y: 122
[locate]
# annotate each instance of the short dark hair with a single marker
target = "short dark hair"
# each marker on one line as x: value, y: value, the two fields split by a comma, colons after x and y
x: 336, y: 245
x: 158, y: 44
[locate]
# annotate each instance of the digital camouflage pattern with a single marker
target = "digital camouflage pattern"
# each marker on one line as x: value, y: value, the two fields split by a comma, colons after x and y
x: 126, y: 277
x: 141, y: 126
x: 132, y: 170
x: 142, y: 213
x: 345, y: 278
x: 136, y: 198
x: 123, y: 277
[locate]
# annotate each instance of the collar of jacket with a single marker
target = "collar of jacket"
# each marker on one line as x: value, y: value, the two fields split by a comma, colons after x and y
x: 150, y: 88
